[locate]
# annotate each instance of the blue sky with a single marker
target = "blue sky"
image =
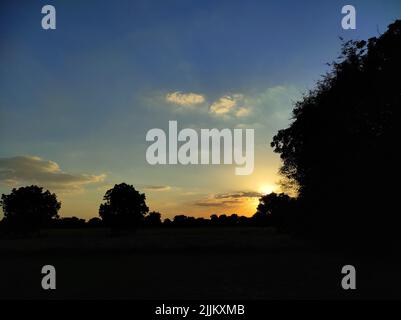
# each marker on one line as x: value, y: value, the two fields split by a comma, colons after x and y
x: 76, y: 102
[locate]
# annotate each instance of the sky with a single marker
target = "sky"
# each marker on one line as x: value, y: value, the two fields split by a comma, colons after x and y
x: 77, y: 102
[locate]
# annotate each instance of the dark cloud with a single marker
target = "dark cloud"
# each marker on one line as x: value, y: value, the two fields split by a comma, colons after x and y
x: 209, y: 204
x: 21, y: 170
x: 239, y: 194
x: 157, y: 188
x: 218, y: 202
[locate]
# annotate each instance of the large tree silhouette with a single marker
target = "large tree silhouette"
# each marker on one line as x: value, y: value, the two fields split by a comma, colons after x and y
x: 276, y: 210
x: 29, y: 208
x: 342, y: 148
x: 124, y: 207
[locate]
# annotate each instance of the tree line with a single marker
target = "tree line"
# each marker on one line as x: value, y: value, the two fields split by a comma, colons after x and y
x: 341, y: 150
x: 30, y: 209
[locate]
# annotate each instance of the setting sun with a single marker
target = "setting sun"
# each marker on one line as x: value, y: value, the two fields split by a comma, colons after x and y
x: 266, y: 189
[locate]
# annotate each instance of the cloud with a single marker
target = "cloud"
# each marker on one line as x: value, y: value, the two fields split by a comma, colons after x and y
x: 214, y: 203
x: 22, y: 170
x: 209, y: 204
x: 242, y: 112
x: 227, y: 199
x: 230, y: 105
x: 157, y: 188
x: 225, y: 104
x: 268, y: 110
x: 239, y: 194
x: 270, y: 107
x: 185, y: 99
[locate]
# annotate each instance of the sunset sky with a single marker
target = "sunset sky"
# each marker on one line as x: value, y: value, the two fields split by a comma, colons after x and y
x: 76, y: 102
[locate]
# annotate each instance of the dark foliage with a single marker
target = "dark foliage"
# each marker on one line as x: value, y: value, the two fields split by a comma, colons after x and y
x: 277, y: 210
x: 28, y: 209
x: 69, y: 223
x: 341, y: 149
x: 124, y: 207
x: 153, y: 219
x: 95, y: 222
x: 215, y: 221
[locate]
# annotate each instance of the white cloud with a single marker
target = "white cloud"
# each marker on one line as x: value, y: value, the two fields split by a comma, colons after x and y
x: 230, y: 105
x: 21, y: 170
x: 185, y: 99
x: 225, y: 104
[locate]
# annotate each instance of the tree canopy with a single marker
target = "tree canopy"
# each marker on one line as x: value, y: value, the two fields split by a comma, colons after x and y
x: 341, y: 149
x: 29, y: 208
x: 124, y: 207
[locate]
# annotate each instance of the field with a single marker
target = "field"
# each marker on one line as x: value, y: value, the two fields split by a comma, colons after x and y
x: 209, y: 263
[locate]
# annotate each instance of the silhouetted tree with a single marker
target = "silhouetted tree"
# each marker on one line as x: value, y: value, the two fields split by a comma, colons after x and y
x: 244, y: 221
x: 222, y: 220
x: 180, y: 220
x: 153, y: 219
x: 214, y: 220
x: 28, y: 209
x: 276, y: 210
x: 2, y: 226
x: 341, y: 149
x: 201, y: 222
x: 233, y: 220
x: 191, y: 222
x: 124, y: 207
x: 167, y: 222
x: 70, y: 222
x: 94, y: 222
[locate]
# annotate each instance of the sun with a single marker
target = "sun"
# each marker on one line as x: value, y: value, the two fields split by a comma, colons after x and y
x: 267, y: 188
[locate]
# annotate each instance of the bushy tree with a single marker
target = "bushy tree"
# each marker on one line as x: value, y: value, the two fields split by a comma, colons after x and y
x: 124, y: 207
x: 341, y: 149
x: 153, y: 219
x: 276, y: 210
x: 28, y: 209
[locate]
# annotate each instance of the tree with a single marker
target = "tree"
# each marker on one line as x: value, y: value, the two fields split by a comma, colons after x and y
x: 70, y: 222
x: 94, y: 222
x: 233, y: 220
x: 153, y: 219
x: 341, y: 149
x: 28, y: 209
x: 214, y: 219
x: 124, y: 207
x: 180, y: 220
x: 275, y: 210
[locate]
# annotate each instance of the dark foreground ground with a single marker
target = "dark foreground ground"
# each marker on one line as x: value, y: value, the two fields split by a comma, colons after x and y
x: 212, y: 263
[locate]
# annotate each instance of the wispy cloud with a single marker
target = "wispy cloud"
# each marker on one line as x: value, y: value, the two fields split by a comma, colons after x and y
x: 229, y: 105
x: 209, y: 204
x: 273, y: 104
x: 185, y: 99
x: 227, y: 199
x: 215, y: 203
x: 157, y: 188
x: 20, y: 170
x: 239, y: 194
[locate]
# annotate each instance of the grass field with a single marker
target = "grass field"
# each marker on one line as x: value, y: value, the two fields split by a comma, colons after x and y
x: 210, y: 263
